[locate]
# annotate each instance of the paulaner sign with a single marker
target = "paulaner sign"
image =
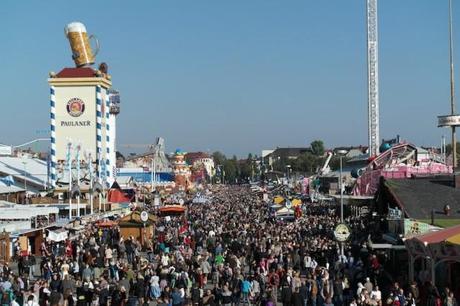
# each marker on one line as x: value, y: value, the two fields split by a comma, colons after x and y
x: 76, y: 123
x: 75, y: 107
x: 449, y: 120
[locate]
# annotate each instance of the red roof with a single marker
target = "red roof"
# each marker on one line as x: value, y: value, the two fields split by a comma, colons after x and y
x: 107, y: 223
x: 439, y: 236
x: 172, y: 209
x: 117, y: 196
x: 191, y: 157
x: 84, y: 72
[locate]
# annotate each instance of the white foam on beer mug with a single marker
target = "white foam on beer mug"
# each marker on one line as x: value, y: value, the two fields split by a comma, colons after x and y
x: 74, y: 27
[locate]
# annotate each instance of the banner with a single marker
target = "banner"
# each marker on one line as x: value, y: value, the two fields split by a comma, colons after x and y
x: 413, y: 227
x: 57, y: 236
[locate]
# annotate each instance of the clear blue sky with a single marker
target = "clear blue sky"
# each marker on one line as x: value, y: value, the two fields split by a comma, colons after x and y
x: 237, y: 76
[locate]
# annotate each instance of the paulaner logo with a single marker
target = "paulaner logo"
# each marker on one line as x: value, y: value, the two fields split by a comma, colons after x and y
x: 75, y: 107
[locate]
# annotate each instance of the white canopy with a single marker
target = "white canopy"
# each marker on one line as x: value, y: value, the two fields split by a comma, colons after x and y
x: 58, y: 235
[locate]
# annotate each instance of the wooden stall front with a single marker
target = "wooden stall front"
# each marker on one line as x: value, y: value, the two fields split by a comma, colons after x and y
x: 132, y: 226
x: 35, y: 239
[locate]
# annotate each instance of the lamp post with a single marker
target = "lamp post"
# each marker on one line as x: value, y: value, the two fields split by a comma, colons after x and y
x: 341, y: 153
x: 25, y: 179
x: 452, y: 90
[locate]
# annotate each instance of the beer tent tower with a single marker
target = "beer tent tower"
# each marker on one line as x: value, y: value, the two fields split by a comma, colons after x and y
x: 81, y: 112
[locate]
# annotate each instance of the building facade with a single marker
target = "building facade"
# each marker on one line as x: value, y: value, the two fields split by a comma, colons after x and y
x: 82, y: 115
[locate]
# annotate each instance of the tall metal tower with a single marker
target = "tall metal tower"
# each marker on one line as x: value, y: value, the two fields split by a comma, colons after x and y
x: 372, y: 78
x: 452, y: 120
x: 452, y: 89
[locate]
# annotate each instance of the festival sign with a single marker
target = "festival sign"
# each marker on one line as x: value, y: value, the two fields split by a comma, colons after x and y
x: 449, y: 120
x: 342, y: 232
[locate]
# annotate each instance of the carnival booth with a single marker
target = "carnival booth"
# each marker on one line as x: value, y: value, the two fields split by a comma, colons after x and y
x: 139, y: 225
x: 436, y: 254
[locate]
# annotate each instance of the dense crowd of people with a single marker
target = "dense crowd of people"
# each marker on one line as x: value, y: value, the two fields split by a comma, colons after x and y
x: 230, y: 250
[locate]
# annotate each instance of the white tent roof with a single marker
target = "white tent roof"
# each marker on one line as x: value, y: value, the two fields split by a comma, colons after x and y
x: 10, y: 189
x: 14, y: 226
x: 25, y: 212
x: 36, y: 170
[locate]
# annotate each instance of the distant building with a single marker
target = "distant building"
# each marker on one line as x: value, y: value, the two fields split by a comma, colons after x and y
x: 284, y: 154
x: 149, y: 167
x: 416, y: 197
x: 147, y: 160
x: 353, y: 151
x: 182, y: 172
x: 6, y: 150
x: 155, y: 157
x: 265, y: 153
x: 199, y: 160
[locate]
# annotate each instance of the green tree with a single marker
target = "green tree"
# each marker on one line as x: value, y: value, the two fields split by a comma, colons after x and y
x: 279, y: 164
x: 309, y: 162
x: 230, y: 170
x: 246, y: 168
x: 219, y: 158
x: 317, y: 147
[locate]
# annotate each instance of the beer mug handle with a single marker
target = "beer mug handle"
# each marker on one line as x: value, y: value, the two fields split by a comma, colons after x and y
x: 97, y: 44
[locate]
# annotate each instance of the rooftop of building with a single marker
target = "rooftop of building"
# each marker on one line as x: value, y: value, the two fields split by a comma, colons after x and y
x: 33, y: 170
x: 193, y: 156
x: 290, y: 151
x: 417, y: 197
x: 81, y: 72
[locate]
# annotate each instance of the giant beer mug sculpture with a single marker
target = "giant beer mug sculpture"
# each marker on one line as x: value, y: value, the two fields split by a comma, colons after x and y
x: 82, y: 54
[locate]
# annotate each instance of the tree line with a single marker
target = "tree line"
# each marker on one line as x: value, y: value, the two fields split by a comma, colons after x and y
x: 234, y: 170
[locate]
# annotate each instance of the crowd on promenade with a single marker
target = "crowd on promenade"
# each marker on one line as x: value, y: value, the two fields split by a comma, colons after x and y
x: 228, y: 251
